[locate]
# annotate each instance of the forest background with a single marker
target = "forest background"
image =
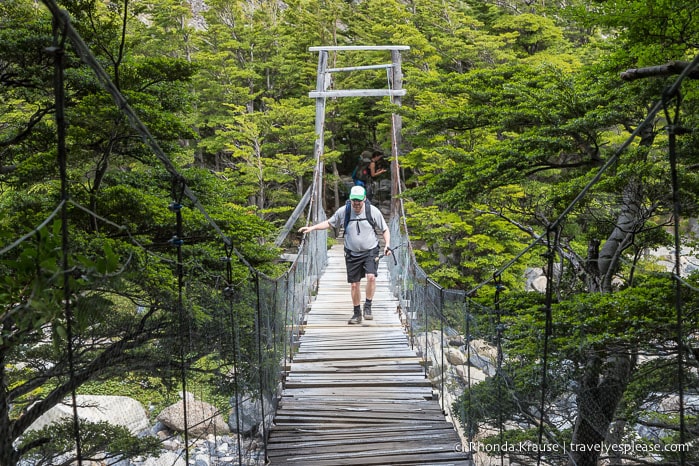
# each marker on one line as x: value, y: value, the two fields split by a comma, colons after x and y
x: 511, y: 108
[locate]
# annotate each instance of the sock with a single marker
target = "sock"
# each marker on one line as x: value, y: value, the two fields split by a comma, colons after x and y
x: 357, y: 309
x: 368, y: 301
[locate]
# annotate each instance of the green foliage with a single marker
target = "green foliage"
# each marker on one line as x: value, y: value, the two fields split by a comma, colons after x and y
x: 51, y: 443
x: 464, y: 249
x: 528, y: 32
x: 651, y: 31
x: 635, y: 320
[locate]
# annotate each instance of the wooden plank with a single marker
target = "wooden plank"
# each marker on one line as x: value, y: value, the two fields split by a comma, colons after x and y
x: 368, y: 394
x: 367, y: 457
x: 360, y: 68
x: 289, y: 435
x: 357, y: 394
x: 370, y: 416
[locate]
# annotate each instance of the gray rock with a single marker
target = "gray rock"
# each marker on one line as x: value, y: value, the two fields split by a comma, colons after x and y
x: 202, y: 418
x: 250, y: 410
x: 167, y: 459
x: 482, y: 363
x: 116, y: 410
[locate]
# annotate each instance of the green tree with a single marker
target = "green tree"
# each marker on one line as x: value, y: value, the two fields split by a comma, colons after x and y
x: 122, y: 274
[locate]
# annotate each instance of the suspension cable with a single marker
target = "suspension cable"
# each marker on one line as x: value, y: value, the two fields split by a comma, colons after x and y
x: 58, y: 50
x: 676, y: 212
x: 229, y: 295
x: 176, y: 207
x: 498, y: 342
x: 548, y: 331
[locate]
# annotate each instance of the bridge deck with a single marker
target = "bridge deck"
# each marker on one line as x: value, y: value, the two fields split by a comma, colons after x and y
x: 357, y: 394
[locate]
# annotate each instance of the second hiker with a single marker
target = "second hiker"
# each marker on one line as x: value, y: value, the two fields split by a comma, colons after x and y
x: 368, y: 168
x: 360, y: 220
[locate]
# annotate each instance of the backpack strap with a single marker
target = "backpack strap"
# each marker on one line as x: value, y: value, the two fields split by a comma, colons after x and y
x: 367, y: 212
x: 348, y: 211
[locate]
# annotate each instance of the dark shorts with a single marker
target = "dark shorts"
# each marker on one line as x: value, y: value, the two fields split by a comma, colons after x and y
x: 359, y: 264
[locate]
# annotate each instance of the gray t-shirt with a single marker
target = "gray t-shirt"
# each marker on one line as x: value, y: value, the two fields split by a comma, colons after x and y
x: 365, y: 239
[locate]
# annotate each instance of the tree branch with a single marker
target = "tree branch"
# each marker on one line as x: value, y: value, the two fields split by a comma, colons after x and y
x: 668, y: 69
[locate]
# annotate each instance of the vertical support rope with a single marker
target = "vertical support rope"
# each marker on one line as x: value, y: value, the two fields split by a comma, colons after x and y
x: 271, y: 318
x: 468, y: 404
x: 426, y: 327
x: 177, y: 241
x: 548, y: 331
x: 229, y: 295
x: 261, y: 365
x: 290, y: 332
x: 59, y: 95
x: 676, y: 207
x: 498, y: 341
x: 441, y: 343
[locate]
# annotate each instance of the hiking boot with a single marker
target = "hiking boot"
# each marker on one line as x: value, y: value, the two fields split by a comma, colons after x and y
x: 367, y: 312
x: 356, y: 319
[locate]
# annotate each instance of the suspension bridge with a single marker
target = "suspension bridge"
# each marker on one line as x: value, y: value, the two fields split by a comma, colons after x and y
x: 359, y: 394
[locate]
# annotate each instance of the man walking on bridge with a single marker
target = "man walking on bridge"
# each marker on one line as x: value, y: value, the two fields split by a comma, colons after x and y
x: 361, y: 246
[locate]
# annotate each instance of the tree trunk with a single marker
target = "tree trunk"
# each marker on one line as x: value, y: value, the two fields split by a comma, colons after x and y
x: 630, y: 221
x: 615, y: 437
x: 599, y: 395
x: 606, y: 375
x: 8, y: 455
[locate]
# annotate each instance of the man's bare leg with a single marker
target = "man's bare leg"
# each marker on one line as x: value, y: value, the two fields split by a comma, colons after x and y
x: 370, y: 289
x: 356, y: 303
x: 357, y: 293
x: 370, y: 286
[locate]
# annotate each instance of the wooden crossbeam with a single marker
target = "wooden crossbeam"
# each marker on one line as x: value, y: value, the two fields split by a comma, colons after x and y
x: 357, y: 93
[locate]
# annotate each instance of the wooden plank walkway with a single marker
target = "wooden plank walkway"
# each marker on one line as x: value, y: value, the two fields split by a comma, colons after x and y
x: 357, y: 394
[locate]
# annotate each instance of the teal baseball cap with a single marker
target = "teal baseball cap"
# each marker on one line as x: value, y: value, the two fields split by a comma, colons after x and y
x: 357, y: 193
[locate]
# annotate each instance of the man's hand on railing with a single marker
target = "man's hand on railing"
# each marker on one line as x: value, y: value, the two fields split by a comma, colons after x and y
x: 388, y: 251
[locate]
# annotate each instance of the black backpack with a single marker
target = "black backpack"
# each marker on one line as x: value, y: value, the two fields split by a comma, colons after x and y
x: 367, y: 212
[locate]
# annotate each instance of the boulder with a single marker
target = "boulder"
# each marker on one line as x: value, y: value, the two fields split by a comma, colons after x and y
x: 248, y: 414
x: 476, y: 375
x: 539, y: 284
x: 457, y: 340
x: 531, y: 274
x: 202, y: 418
x: 482, y: 363
x: 116, y: 410
x: 169, y: 458
x: 455, y: 356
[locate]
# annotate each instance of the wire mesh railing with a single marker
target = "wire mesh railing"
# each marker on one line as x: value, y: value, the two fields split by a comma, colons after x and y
x: 527, y: 382
x: 212, y: 346
x: 171, y: 322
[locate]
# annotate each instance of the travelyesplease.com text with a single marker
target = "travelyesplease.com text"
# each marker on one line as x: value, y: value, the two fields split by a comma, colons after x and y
x: 565, y: 448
